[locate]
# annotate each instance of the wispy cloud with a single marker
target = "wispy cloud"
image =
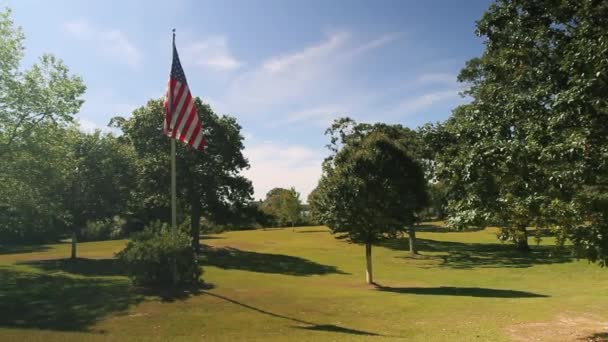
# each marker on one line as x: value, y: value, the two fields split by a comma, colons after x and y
x: 320, y: 115
x: 111, y: 42
x: 376, y: 43
x: 414, y: 104
x: 211, y: 53
x: 314, y: 74
x: 280, y: 165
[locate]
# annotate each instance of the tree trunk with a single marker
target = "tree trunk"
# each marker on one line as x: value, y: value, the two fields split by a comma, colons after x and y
x: 74, y: 237
x: 412, y: 235
x: 195, y: 227
x: 369, y: 277
x: 521, y: 239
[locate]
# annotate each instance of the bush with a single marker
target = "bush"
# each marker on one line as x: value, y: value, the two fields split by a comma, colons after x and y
x: 108, y: 229
x: 150, y: 255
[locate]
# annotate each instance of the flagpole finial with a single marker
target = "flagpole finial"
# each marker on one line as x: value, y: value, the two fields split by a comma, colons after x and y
x: 173, y: 35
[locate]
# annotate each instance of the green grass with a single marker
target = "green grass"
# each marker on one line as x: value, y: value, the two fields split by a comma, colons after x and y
x: 305, y: 285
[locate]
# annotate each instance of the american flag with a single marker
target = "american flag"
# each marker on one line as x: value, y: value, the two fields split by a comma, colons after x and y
x: 181, y: 120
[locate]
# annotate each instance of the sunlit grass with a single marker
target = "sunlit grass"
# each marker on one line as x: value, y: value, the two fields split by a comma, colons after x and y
x: 304, y: 285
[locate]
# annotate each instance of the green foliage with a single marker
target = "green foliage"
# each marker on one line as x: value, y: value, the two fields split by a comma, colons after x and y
x: 101, y: 178
x: 46, y: 93
x: 535, y: 133
x: 150, y: 255
x: 283, y: 205
x: 36, y: 108
x: 371, y: 189
x: 106, y: 229
x: 209, y: 183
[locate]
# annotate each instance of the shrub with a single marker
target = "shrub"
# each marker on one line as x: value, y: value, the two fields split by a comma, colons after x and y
x: 107, y: 229
x: 150, y: 255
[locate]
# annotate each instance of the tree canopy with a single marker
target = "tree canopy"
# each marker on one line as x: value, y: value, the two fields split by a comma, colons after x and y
x: 209, y: 183
x: 533, y: 140
x: 371, y: 189
x: 283, y: 205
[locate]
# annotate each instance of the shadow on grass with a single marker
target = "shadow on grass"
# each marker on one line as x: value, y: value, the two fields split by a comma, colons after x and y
x: 174, y: 294
x: 313, y: 231
x: 60, y: 302
x: 460, y: 255
x: 17, y: 249
x: 80, y: 266
x: 112, y: 267
x: 597, y: 337
x: 461, y: 291
x: 232, y: 258
x: 210, y: 237
x: 310, y: 325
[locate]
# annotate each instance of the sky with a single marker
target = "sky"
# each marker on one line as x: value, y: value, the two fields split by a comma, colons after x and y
x: 284, y: 68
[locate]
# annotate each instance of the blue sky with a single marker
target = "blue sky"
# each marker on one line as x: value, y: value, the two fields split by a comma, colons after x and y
x: 285, y: 69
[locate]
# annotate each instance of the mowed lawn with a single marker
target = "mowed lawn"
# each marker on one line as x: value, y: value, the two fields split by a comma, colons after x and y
x: 279, y: 284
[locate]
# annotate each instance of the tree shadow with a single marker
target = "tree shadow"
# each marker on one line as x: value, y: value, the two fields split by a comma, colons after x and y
x: 434, y: 228
x: 112, y: 267
x: 338, y: 329
x: 313, y: 231
x: 60, y: 302
x: 597, y: 337
x: 210, y: 237
x: 461, y: 291
x: 18, y: 249
x: 461, y: 255
x: 174, y: 294
x: 232, y: 258
x: 310, y: 325
x: 80, y: 266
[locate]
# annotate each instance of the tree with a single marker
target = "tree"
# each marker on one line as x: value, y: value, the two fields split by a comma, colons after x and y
x: 45, y: 93
x: 535, y: 135
x: 346, y: 131
x: 284, y: 205
x: 37, y: 106
x: 371, y: 189
x: 100, y: 181
x: 208, y: 183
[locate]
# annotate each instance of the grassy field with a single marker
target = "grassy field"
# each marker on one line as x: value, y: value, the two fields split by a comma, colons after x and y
x: 305, y: 285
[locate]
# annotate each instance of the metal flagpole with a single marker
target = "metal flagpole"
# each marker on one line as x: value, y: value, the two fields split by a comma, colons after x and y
x: 173, y: 191
x: 173, y: 185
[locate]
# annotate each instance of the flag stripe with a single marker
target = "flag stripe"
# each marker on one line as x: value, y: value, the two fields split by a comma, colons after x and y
x: 181, y: 118
x: 186, y: 121
x: 182, y: 113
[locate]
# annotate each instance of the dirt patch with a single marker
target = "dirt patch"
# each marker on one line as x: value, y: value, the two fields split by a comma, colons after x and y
x: 565, y: 327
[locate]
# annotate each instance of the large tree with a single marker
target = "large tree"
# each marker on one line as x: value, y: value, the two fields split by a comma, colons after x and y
x: 37, y: 106
x: 209, y: 183
x: 535, y: 135
x: 100, y: 180
x: 346, y: 131
x: 44, y: 93
x: 371, y: 189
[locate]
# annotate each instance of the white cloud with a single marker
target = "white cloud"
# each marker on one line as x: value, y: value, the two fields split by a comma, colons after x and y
x: 211, y: 53
x: 111, y: 42
x: 302, y: 78
x: 308, y: 55
x: 417, y: 103
x: 376, y: 43
x: 321, y: 115
x: 280, y: 165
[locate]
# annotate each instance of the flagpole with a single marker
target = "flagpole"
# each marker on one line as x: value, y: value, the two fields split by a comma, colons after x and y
x: 173, y: 189
x: 173, y: 182
x: 173, y: 195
